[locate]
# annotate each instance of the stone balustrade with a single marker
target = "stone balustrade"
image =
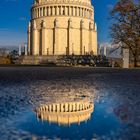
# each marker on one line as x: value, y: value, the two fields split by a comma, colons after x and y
x: 62, y: 10
x: 65, y: 113
x: 66, y: 107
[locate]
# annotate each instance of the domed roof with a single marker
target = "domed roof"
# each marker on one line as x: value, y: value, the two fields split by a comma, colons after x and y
x: 57, y: 1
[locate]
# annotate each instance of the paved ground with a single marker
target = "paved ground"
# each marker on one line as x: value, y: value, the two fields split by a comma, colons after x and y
x: 47, y: 73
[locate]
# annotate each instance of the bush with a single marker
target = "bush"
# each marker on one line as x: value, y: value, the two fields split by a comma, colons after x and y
x: 4, y: 60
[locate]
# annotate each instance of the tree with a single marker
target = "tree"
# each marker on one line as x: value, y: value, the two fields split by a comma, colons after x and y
x: 125, y: 29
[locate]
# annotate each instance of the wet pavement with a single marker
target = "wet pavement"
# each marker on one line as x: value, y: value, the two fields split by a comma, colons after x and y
x: 69, y: 103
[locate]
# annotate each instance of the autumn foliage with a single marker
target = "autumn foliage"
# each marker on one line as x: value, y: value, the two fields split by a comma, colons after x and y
x: 125, y: 29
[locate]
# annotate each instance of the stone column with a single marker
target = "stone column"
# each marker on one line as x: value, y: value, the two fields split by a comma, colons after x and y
x: 57, y: 10
x: 81, y: 37
x: 38, y: 12
x: 70, y: 107
x: 69, y: 38
x: 56, y: 38
x: 43, y: 38
x: 46, y: 11
x: 65, y: 9
x: 54, y: 107
x: 29, y: 38
x: 74, y: 11
x: 62, y: 109
x: 66, y: 107
x: 90, y: 37
x: 50, y: 108
x: 46, y: 108
x: 94, y: 35
x: 82, y: 106
x: 58, y: 107
x: 74, y: 107
x: 35, y: 47
x: 49, y: 11
x: 70, y: 10
x: 77, y: 107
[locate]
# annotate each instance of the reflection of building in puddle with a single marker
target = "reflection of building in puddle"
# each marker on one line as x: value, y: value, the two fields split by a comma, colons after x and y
x: 66, y: 113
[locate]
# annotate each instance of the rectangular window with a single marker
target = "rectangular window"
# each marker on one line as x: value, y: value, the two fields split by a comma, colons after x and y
x: 43, y: 11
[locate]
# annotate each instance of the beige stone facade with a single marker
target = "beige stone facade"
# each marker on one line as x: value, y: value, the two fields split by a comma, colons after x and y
x: 62, y: 27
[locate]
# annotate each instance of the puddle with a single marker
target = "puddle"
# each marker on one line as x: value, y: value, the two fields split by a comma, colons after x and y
x: 76, y: 108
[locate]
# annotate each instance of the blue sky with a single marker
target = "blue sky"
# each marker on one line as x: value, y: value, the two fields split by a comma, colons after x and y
x: 15, y: 15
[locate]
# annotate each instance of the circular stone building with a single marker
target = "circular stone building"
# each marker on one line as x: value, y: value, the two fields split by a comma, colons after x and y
x: 62, y: 27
